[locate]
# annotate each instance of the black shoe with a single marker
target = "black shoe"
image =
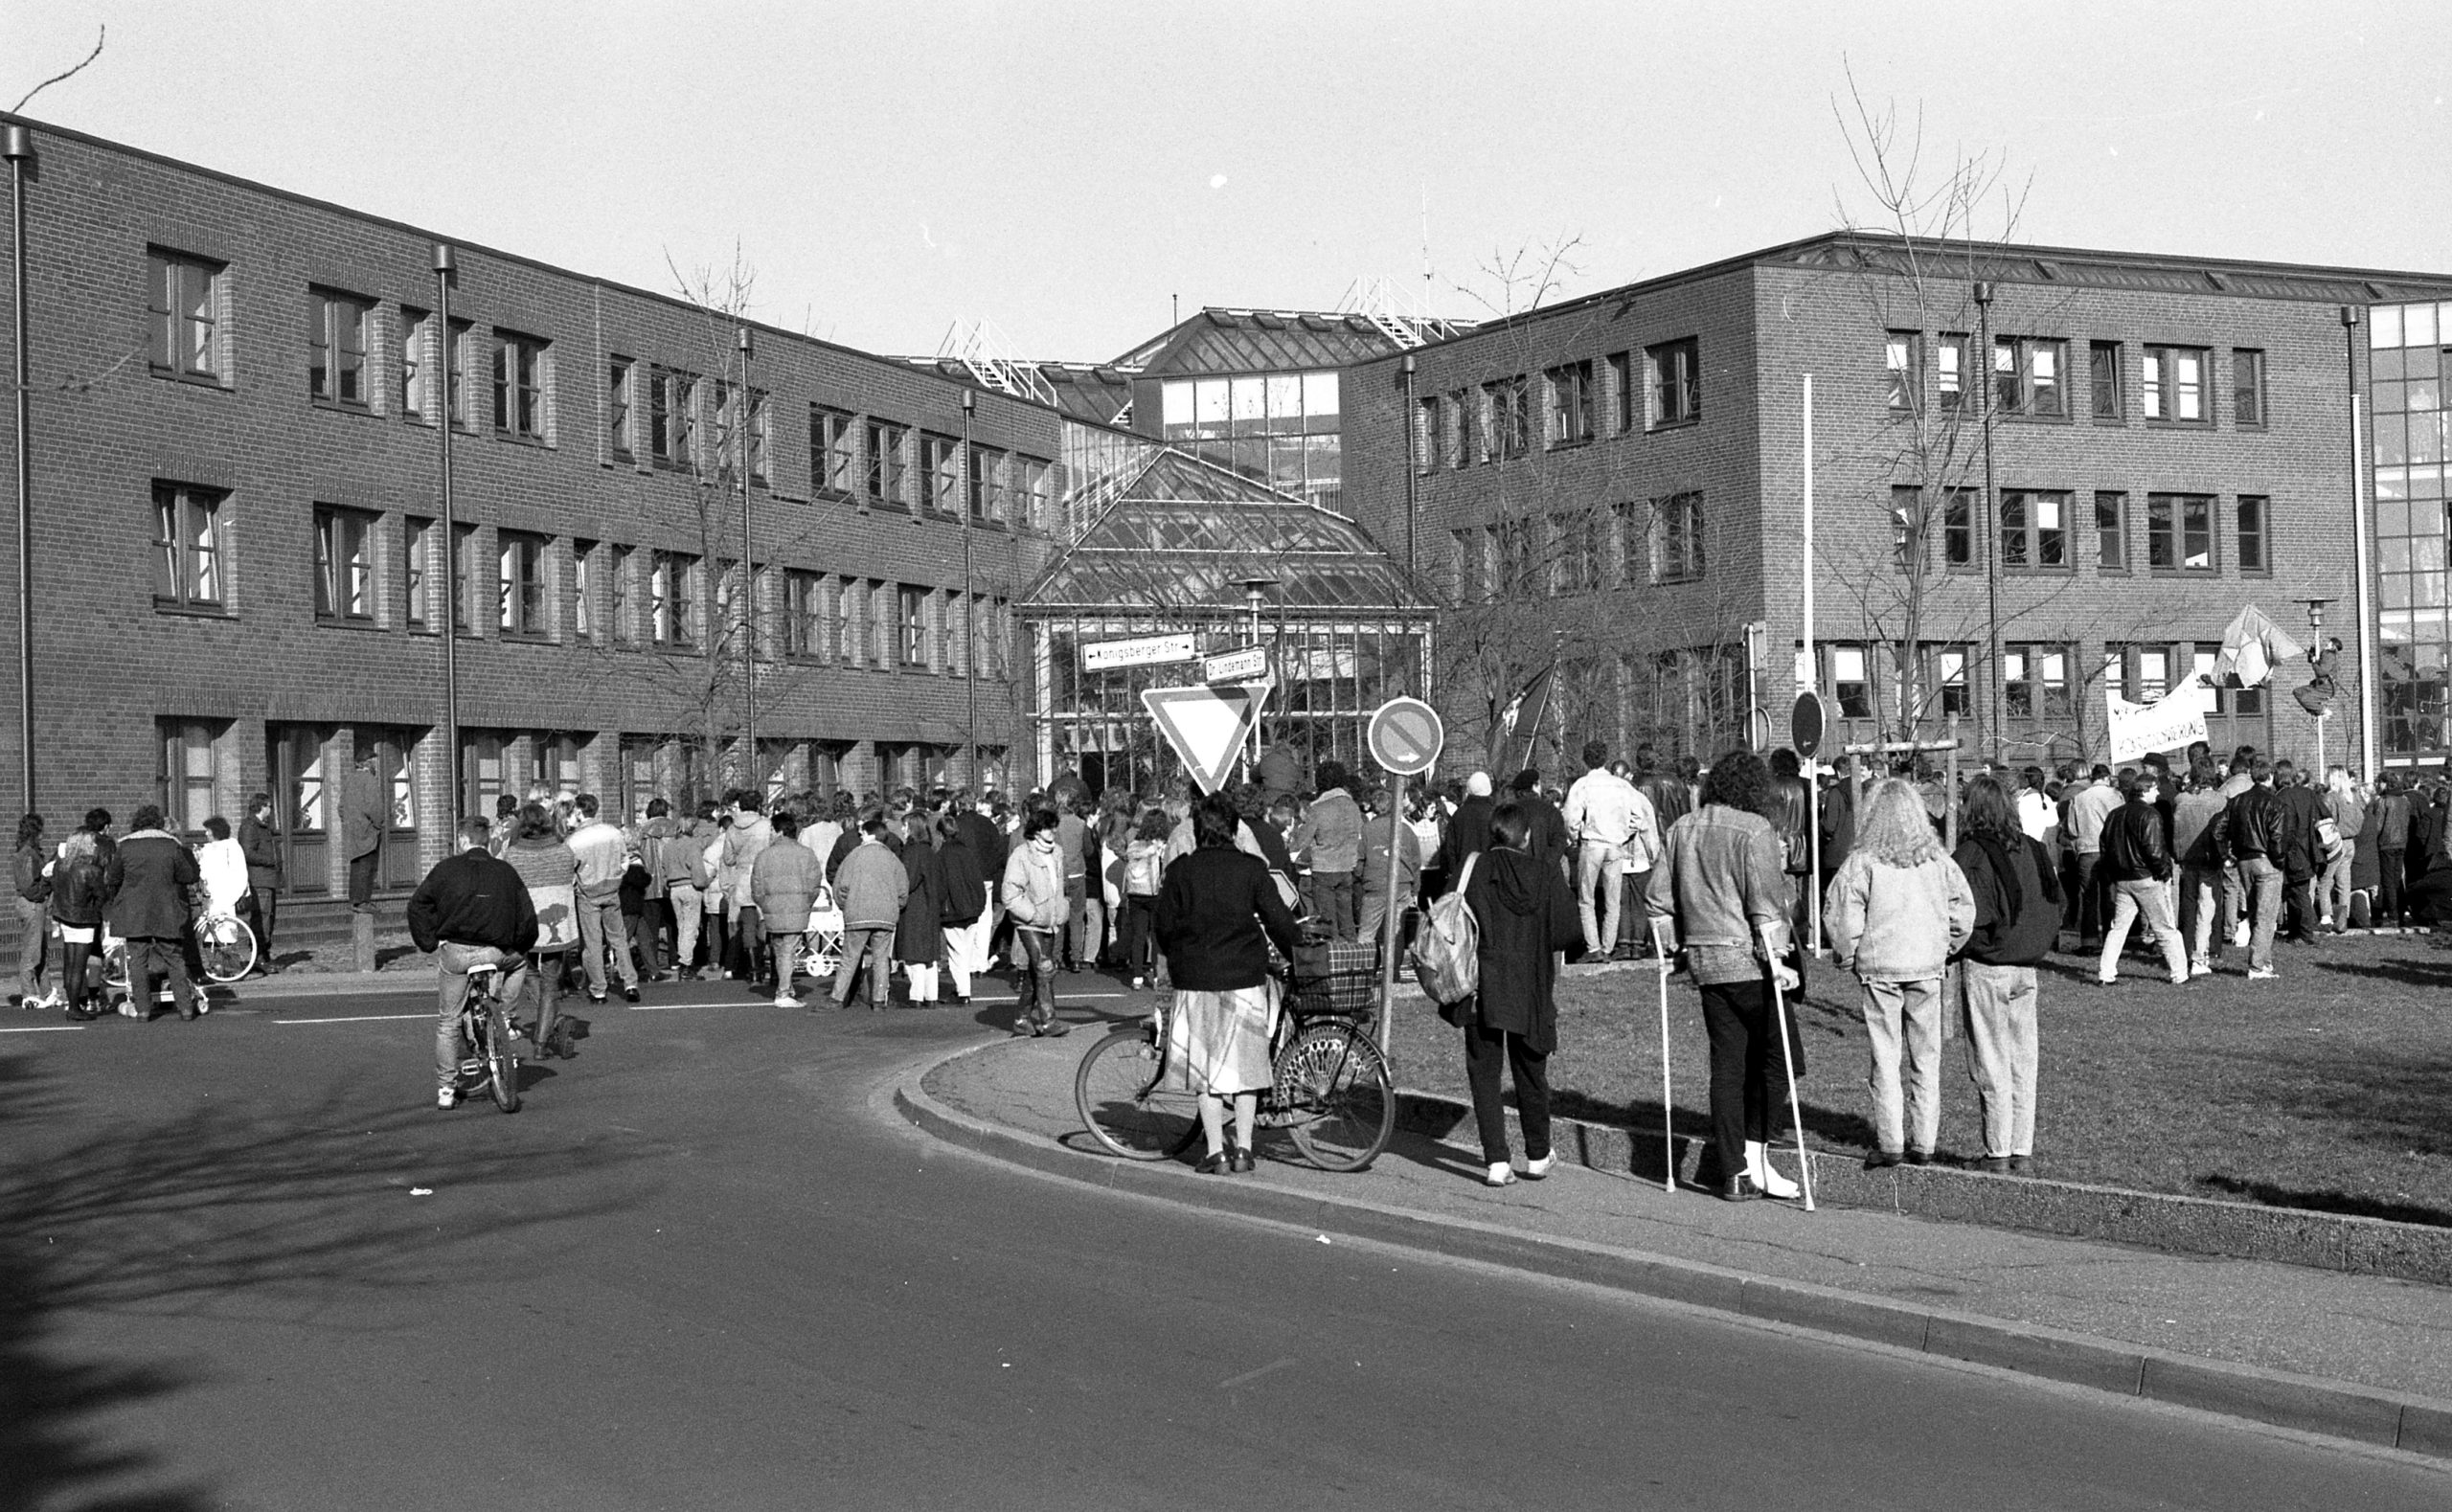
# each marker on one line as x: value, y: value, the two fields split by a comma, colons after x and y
x: 629, y: 994
x: 82, y: 1014
x: 1243, y: 1161
x: 2022, y: 1165
x: 1053, y: 1029
x: 1996, y: 1164
x: 596, y: 998
x: 1739, y: 1188
x: 1919, y: 1157
x: 1219, y: 1164
x: 1882, y: 1159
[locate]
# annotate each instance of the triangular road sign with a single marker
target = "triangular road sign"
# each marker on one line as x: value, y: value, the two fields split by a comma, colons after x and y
x: 1208, y: 726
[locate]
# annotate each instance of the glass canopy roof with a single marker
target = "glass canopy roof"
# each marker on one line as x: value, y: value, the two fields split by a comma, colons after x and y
x: 1179, y: 533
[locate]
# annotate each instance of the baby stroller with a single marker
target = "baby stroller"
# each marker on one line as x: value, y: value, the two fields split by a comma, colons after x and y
x: 822, y: 946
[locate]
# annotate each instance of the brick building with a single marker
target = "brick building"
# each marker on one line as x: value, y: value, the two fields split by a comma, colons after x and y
x: 2163, y: 440
x: 238, y: 554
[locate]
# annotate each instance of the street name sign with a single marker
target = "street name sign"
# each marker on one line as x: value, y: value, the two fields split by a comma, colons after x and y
x: 1148, y: 650
x: 1406, y: 736
x: 1245, y: 664
x: 1207, y: 726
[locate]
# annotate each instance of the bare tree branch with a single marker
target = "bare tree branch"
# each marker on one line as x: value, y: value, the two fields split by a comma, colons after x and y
x: 100, y: 34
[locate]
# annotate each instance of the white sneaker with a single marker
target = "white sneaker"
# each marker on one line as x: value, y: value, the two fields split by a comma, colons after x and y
x: 2203, y: 968
x: 1766, y: 1176
x: 2105, y: 981
x: 2262, y: 974
x: 1501, y: 1174
x: 444, y: 1099
x: 1534, y: 1170
x: 785, y: 1000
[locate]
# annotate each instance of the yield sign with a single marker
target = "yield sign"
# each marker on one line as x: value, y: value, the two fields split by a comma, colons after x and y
x: 1207, y: 726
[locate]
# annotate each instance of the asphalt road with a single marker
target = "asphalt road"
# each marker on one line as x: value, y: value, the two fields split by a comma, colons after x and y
x: 248, y: 1266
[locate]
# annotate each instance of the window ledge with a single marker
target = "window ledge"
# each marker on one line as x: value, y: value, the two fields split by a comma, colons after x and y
x: 334, y: 621
x: 196, y: 381
x: 886, y: 505
x: 2178, y: 425
x: 1571, y: 446
x: 188, y: 611
x: 344, y: 407
x: 515, y: 439
x: 1672, y: 425
x: 2021, y: 417
x: 2113, y: 420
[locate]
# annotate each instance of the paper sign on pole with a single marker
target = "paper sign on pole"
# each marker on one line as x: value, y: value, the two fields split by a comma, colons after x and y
x: 1207, y: 726
x: 2171, y: 722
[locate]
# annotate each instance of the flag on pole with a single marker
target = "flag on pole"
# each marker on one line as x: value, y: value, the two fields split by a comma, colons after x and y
x: 2252, y: 647
x: 1511, y: 743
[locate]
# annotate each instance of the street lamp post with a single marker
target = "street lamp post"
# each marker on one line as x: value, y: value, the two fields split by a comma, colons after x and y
x: 1981, y: 360
x: 969, y: 605
x: 446, y: 270
x: 20, y: 152
x: 2315, y: 650
x: 1413, y: 468
x: 1255, y: 594
x: 741, y: 418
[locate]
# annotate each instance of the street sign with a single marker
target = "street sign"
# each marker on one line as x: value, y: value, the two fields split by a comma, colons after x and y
x: 1207, y: 726
x: 1148, y: 650
x: 1406, y: 736
x: 1804, y: 723
x: 1245, y: 664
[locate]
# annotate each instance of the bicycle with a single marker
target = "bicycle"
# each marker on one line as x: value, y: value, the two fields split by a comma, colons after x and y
x: 1329, y: 1085
x: 226, y: 945
x: 484, y: 1028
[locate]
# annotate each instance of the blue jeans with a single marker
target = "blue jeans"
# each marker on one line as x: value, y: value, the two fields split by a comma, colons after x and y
x: 877, y: 944
x: 452, y: 960
x: 1038, y: 975
x: 2263, y: 881
x: 603, y: 931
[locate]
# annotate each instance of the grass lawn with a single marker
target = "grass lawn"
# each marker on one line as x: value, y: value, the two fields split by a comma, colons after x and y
x: 2330, y: 1087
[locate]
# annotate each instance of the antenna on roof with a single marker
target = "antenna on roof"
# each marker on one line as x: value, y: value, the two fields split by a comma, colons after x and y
x: 1425, y: 248
x: 982, y: 350
x: 1174, y: 309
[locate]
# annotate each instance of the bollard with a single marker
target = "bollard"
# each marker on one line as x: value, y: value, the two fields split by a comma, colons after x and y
x: 361, y: 928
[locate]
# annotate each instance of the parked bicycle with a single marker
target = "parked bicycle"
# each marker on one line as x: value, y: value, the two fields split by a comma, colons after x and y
x: 225, y: 948
x: 1330, y: 1087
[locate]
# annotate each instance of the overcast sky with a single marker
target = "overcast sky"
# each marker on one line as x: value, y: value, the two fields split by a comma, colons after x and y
x: 1062, y: 169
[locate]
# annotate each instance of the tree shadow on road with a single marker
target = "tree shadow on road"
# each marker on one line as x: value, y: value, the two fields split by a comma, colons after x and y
x: 229, y: 1206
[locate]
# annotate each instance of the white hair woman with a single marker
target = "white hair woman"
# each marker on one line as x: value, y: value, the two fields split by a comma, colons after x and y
x: 1897, y: 909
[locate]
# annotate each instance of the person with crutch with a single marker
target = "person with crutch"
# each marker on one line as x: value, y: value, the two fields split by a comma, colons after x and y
x: 1721, y: 893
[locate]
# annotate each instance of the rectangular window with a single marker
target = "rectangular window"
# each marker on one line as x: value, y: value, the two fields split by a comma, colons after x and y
x: 1468, y: 427
x: 987, y: 480
x: 1906, y: 527
x: 417, y: 364
x: 1575, y: 543
x: 1850, y: 685
x: 2140, y: 674
x: 1949, y: 369
x: 2247, y: 387
x: 911, y: 618
x: 618, y: 570
x: 2029, y: 376
x: 834, y: 453
x: 1677, y: 538
x: 1947, y: 674
x: 519, y: 386
x: 187, y: 775
x: 183, y: 308
x: 2111, y: 531
x: 1428, y: 437
x: 1904, y: 375
x: 804, y: 616
x: 417, y: 560
x: 336, y: 347
x: 463, y: 342
x: 344, y: 564
x: 468, y: 606
x: 941, y: 463
x: 2103, y: 380
x: 519, y: 583
x: 2034, y: 681
x: 1034, y: 484
x: 887, y: 464
x: 2179, y: 532
x: 672, y: 403
x: 1466, y: 561
x: 1958, y: 530
x: 2174, y: 385
x: 187, y: 546
x: 1510, y: 428
x: 671, y: 602
x: 720, y: 444
x: 584, y: 589
x: 617, y: 409
x: 847, y: 621
x: 758, y: 439
x: 1569, y: 404
x: 660, y: 392
x: 2254, y: 510
x: 1672, y: 383
x: 2034, y: 531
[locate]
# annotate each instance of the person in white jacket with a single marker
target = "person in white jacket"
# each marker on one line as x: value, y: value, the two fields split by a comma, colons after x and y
x: 223, y: 864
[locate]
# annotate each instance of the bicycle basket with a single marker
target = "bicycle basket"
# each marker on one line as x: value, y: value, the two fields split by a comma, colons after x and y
x: 1334, y: 977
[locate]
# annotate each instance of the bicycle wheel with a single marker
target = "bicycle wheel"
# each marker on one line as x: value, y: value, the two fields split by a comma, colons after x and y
x: 502, y: 1066
x: 1332, y: 1084
x: 1121, y: 1105
x: 227, y: 947
x: 115, y: 966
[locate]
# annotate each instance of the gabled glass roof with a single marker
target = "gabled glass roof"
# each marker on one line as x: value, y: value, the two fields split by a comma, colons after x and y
x: 1183, y: 533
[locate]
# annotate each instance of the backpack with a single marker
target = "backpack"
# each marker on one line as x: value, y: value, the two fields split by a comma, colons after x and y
x: 1447, y: 955
x: 1142, y: 865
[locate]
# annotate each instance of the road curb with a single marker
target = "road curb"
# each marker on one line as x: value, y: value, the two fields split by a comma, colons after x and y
x: 2307, y: 1403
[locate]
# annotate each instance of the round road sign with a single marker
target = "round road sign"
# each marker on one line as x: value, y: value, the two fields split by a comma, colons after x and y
x: 1805, y: 724
x: 1406, y: 736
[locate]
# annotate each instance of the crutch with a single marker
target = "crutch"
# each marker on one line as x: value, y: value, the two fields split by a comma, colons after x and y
x: 1788, y: 1054
x: 1667, y: 1110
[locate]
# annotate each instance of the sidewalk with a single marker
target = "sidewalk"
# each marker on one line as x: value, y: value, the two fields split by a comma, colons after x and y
x: 2359, y: 1357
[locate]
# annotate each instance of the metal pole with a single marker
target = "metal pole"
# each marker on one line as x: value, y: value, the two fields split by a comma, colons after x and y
x: 748, y: 584
x: 1413, y: 466
x: 1388, y: 930
x: 2362, y: 604
x: 20, y: 152
x: 445, y: 268
x: 970, y: 607
x: 1982, y: 362
x: 1810, y: 674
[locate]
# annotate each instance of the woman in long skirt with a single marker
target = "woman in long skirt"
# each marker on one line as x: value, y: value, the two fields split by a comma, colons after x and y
x: 1218, y: 912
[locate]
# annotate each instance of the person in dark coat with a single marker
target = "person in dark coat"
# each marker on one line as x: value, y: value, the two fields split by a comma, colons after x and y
x: 963, y: 919
x: 919, y: 939
x: 262, y: 844
x: 150, y: 879
x: 1468, y: 830
x: 1547, y: 839
x: 1527, y: 916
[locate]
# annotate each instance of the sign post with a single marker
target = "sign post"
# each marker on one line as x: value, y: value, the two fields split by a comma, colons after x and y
x: 1405, y: 737
x: 1804, y: 737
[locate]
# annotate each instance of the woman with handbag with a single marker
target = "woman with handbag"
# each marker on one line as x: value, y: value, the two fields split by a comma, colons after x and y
x: 1527, y: 914
x: 1218, y: 911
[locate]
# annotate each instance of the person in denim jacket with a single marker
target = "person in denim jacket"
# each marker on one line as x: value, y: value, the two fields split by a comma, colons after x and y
x: 1897, y: 909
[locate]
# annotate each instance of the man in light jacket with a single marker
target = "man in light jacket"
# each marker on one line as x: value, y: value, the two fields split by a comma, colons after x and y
x: 1614, y: 833
x: 603, y: 855
x: 1329, y: 840
x: 869, y: 887
x: 1033, y: 897
x: 750, y: 834
x: 784, y: 881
